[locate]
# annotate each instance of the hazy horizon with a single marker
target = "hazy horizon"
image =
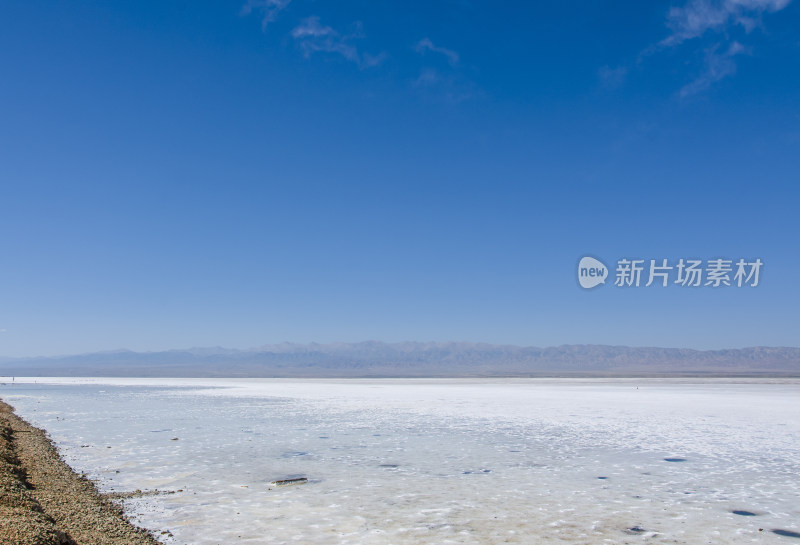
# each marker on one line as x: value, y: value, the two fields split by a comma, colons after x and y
x: 272, y: 346
x: 375, y: 359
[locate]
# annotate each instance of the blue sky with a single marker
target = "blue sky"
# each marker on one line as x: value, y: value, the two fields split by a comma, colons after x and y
x: 236, y: 173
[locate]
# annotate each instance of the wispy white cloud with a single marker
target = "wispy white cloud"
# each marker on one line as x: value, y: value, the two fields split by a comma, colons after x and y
x: 718, y: 64
x: 426, y: 44
x: 699, y: 16
x: 311, y: 28
x: 443, y: 82
x: 313, y: 37
x: 718, y: 18
x: 269, y: 9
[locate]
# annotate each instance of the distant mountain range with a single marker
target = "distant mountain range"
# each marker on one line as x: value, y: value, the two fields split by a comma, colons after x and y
x: 415, y: 359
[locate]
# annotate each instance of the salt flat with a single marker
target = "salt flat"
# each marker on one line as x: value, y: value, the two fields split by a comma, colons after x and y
x: 437, y: 460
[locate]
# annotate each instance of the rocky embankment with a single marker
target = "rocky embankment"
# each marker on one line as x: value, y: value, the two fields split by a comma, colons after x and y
x: 43, y: 502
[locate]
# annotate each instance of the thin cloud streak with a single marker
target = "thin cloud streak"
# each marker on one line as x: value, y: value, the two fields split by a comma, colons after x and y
x: 717, y: 66
x: 443, y: 82
x: 313, y: 37
x: 698, y: 16
x: 268, y: 8
x: 426, y: 44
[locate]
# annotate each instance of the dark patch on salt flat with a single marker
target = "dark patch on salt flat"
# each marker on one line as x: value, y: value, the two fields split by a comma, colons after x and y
x: 289, y: 481
x: 786, y: 533
x: 635, y: 530
x: 674, y: 459
x: 293, y: 454
x: 743, y: 513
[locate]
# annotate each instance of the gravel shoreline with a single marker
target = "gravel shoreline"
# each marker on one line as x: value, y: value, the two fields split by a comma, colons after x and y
x: 44, y: 502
